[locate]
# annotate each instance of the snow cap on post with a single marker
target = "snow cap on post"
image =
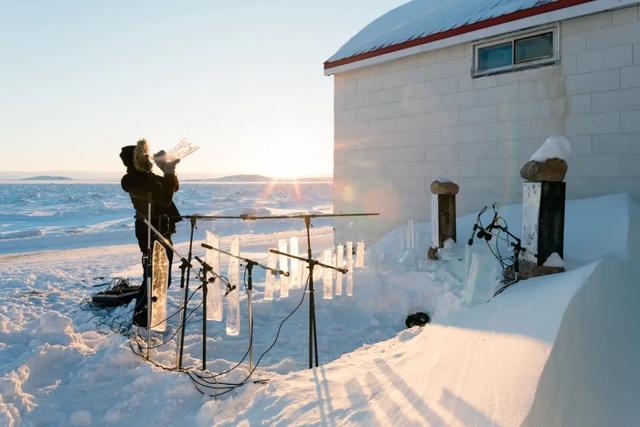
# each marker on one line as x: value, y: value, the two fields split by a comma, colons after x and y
x: 549, y: 162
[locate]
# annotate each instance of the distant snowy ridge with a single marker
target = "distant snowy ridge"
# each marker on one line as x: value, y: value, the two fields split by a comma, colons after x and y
x: 47, y: 178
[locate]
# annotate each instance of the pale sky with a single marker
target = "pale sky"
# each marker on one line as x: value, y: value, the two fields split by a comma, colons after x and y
x: 242, y: 79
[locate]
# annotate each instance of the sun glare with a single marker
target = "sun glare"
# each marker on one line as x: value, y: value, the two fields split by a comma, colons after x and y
x: 292, y: 159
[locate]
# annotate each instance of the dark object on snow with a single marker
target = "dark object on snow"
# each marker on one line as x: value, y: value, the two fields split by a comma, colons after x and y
x: 417, y: 319
x: 542, y: 226
x: 551, y: 170
x: 120, y: 293
x: 141, y: 183
x: 443, y: 209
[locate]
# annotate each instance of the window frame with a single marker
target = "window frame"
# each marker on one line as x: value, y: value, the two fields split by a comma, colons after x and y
x: 512, y: 38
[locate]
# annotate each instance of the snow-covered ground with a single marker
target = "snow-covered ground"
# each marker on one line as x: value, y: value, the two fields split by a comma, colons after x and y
x: 522, y: 357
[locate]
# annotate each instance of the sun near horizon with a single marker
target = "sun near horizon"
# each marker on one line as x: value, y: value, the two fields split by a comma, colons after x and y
x: 87, y: 79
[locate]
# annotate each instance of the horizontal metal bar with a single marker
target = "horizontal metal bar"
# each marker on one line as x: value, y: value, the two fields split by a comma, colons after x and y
x: 162, y: 238
x: 255, y: 217
x: 308, y: 260
x: 247, y: 260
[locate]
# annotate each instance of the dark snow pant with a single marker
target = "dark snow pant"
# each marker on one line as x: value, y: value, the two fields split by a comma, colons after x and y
x: 140, y: 310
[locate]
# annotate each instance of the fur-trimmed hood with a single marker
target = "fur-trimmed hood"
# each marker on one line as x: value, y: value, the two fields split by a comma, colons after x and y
x: 137, y: 157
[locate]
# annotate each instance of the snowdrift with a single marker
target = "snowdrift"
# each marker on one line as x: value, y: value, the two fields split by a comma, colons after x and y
x: 592, y: 377
x: 490, y: 365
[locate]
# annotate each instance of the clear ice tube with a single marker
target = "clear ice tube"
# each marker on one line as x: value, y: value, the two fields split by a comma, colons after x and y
x: 284, y: 266
x: 349, y: 250
x: 233, y: 299
x: 340, y: 264
x: 270, y: 277
x: 327, y: 275
x: 360, y: 254
x: 214, y: 290
x: 295, y: 279
x: 180, y: 151
x: 159, y: 281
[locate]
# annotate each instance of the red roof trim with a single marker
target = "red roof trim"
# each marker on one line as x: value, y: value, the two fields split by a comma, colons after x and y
x: 514, y: 16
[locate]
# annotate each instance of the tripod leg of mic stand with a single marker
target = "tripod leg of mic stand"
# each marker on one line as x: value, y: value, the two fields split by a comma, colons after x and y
x: 180, y: 336
x: 250, y: 311
x: 148, y: 281
x: 249, y: 298
x: 313, y: 336
x: 204, y: 322
x: 186, y: 294
x: 314, y: 331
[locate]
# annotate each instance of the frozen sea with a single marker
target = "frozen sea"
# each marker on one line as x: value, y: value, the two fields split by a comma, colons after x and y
x: 52, y: 216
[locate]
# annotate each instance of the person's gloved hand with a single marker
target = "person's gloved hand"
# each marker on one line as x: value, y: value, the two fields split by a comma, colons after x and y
x: 168, y: 168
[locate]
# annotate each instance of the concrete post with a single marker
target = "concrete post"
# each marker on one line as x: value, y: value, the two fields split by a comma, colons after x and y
x: 543, y: 205
x: 443, y: 214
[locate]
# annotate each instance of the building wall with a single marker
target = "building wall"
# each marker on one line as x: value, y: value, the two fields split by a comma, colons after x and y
x: 401, y: 124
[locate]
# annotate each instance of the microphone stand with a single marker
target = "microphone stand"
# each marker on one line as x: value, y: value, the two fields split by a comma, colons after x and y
x: 313, y: 336
x: 206, y: 268
x: 250, y: 264
x: 147, y: 276
x: 184, y: 286
x: 486, y: 234
x: 183, y: 267
x: 313, y: 339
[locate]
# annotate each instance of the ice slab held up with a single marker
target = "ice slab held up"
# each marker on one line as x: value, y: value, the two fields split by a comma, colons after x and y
x: 180, y: 151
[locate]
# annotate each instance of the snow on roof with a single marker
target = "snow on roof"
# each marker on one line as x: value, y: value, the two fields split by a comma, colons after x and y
x: 422, y: 21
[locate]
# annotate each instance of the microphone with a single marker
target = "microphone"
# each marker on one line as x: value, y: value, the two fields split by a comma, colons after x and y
x: 470, y: 241
x: 229, y: 289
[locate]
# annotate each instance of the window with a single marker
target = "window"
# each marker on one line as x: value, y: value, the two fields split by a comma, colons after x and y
x: 518, y: 51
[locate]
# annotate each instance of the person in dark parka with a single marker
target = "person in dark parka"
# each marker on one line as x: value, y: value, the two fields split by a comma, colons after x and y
x: 141, y: 183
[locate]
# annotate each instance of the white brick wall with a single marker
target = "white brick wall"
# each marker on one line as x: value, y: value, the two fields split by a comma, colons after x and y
x: 401, y: 124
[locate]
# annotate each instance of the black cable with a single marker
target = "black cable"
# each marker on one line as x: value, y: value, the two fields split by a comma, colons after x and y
x: 507, y: 281
x: 168, y: 340
x: 250, y: 338
x: 244, y: 381
x: 204, y: 381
